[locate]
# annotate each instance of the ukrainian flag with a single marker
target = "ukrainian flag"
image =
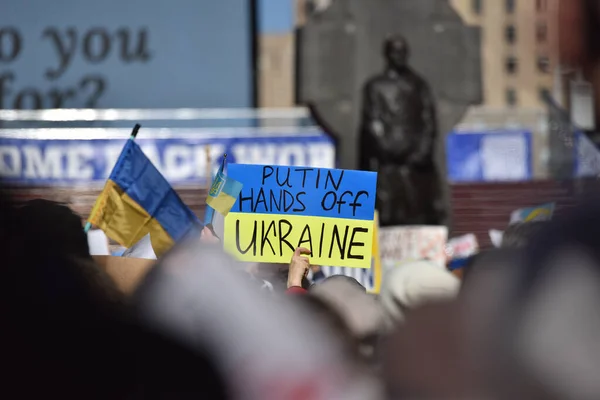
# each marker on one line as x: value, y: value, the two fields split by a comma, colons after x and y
x: 223, y: 192
x: 539, y: 213
x: 137, y: 200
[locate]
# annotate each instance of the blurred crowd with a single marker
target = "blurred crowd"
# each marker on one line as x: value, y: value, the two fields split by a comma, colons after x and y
x: 518, y: 322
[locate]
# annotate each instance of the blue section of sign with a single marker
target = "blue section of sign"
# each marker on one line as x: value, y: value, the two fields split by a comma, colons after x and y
x: 180, y: 160
x: 335, y: 193
x: 132, y: 54
x: 489, y: 156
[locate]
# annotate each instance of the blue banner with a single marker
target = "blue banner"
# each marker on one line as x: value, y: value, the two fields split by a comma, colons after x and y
x: 28, y: 157
x: 496, y: 156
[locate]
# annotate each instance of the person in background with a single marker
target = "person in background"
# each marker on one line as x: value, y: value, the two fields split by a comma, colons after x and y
x: 518, y: 235
x: 317, y: 274
x: 413, y: 284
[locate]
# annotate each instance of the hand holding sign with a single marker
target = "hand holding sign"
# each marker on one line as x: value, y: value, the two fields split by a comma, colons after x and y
x: 328, y: 211
x: 298, y: 267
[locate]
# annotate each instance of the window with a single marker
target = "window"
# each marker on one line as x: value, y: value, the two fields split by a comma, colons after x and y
x: 511, y: 34
x: 541, y: 5
x: 543, y: 64
x: 511, y: 97
x: 511, y: 65
x: 544, y: 93
x: 510, y: 6
x: 542, y: 32
x: 476, y: 6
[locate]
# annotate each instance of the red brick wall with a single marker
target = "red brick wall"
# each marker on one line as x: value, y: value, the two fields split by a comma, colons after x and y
x: 81, y: 199
x: 477, y: 208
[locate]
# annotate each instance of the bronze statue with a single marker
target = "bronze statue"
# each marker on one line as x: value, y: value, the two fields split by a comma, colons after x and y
x: 397, y: 140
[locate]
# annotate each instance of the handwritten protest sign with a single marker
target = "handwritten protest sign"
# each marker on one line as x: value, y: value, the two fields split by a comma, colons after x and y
x: 401, y: 243
x: 328, y: 211
x: 370, y: 278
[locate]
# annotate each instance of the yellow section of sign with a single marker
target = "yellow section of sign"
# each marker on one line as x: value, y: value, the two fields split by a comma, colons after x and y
x: 376, y: 258
x: 272, y: 238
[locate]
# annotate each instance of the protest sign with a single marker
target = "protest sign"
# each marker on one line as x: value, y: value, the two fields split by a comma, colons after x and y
x: 370, y: 278
x: 328, y: 211
x: 127, y: 273
x: 400, y: 243
x: 462, y: 247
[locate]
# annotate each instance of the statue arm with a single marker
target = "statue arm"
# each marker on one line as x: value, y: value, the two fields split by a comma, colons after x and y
x: 373, y: 127
x: 429, y: 133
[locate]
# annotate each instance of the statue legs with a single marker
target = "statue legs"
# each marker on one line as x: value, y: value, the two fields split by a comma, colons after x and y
x: 409, y: 196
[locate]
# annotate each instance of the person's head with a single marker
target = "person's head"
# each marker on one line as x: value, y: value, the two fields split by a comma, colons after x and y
x: 518, y: 235
x: 343, y: 278
x: 360, y: 310
x: 396, y: 52
x: 553, y: 311
x: 327, y: 315
x: 57, y: 226
x: 413, y: 284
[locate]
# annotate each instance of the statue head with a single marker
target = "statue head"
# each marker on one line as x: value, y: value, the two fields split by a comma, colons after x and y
x: 395, y: 50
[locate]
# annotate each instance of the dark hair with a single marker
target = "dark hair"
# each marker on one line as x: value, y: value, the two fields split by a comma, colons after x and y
x: 333, y: 320
x: 520, y: 234
x: 56, y: 225
x: 97, y: 345
x: 488, y: 260
x: 344, y: 278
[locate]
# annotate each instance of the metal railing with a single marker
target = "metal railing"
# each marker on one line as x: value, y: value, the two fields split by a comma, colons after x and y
x: 157, y: 118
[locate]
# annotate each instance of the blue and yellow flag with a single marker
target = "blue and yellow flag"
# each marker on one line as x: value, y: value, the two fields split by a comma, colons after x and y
x: 137, y: 200
x: 543, y: 212
x: 223, y: 192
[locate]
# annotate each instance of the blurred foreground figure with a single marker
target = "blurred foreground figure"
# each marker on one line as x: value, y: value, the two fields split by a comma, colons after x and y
x: 429, y: 356
x: 62, y: 338
x: 267, y: 349
x: 414, y: 284
x: 556, y: 322
x: 361, y: 311
x: 518, y: 235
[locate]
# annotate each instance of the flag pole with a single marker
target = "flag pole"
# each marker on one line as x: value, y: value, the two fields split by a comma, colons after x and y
x: 134, y: 132
x: 209, y: 214
x: 208, y: 167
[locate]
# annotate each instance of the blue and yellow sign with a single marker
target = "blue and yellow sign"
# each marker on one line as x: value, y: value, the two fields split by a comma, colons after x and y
x: 279, y: 209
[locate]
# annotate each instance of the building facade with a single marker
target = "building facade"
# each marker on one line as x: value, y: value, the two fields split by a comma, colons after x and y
x: 517, y: 49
